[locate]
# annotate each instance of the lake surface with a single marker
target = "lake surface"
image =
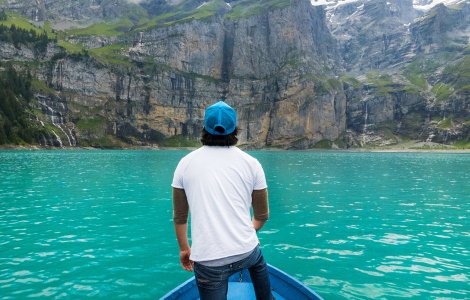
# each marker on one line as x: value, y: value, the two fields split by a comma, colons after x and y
x: 77, y: 224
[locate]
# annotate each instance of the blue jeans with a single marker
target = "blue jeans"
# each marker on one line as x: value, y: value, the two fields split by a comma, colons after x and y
x: 212, y: 282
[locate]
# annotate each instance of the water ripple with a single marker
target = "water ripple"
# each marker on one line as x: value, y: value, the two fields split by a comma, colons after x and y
x: 97, y: 224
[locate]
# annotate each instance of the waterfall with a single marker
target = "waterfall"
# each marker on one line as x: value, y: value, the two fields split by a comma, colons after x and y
x: 366, y: 116
x: 58, y: 121
x: 61, y: 145
x: 40, y: 11
x: 55, y: 111
x: 430, y: 137
x: 36, y: 12
x: 364, y: 137
x: 141, y: 35
x: 48, y: 141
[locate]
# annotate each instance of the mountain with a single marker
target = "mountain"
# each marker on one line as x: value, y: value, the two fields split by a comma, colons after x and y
x: 113, y: 73
x: 428, y: 4
x: 422, y: 5
x: 404, y: 62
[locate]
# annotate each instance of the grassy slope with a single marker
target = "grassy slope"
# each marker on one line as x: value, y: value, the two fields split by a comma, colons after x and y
x: 112, y: 54
x: 247, y: 8
x: 180, y: 15
x: 117, y: 28
x: 20, y: 22
x: 71, y: 48
x: 458, y: 74
x: 240, y: 9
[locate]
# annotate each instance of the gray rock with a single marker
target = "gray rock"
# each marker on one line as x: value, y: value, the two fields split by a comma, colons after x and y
x: 280, y: 68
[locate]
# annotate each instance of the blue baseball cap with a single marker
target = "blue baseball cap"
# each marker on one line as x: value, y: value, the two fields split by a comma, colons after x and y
x: 220, y: 119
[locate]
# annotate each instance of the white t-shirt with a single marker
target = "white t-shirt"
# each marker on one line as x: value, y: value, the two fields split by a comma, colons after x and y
x: 218, y: 182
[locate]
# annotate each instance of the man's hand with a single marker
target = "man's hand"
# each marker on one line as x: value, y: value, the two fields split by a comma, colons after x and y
x: 186, y: 263
x: 257, y: 224
x: 180, y: 219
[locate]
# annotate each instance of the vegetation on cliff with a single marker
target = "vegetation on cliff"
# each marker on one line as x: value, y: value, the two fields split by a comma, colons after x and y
x: 9, y: 19
x: 15, y: 115
x: 19, y: 36
x: 192, y: 10
x: 247, y: 8
x: 116, y: 28
x: 142, y: 62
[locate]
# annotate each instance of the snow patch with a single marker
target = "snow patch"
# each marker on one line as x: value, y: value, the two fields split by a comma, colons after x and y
x: 203, y: 3
x: 426, y: 5
x: 320, y: 2
x: 331, y: 3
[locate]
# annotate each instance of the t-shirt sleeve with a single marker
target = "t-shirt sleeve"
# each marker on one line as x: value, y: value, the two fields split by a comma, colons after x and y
x: 178, y: 177
x: 260, y: 178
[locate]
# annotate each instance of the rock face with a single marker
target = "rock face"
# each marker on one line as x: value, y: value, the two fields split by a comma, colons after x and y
x: 65, y: 14
x: 373, y: 34
x: 265, y: 66
x: 405, y: 60
x: 442, y: 28
x: 360, y: 73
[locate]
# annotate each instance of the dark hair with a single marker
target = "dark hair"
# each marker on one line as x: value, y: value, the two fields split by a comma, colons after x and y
x: 208, y: 139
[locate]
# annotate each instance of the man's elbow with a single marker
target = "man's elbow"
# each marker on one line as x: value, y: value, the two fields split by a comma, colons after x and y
x: 180, y: 220
x: 261, y: 217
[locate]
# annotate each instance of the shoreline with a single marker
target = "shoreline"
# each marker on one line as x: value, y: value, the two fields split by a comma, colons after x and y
x: 388, y: 149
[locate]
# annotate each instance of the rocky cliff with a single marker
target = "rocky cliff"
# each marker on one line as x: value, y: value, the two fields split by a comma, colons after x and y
x: 410, y: 71
x: 264, y: 65
x: 373, y: 34
x: 65, y: 14
x: 299, y: 75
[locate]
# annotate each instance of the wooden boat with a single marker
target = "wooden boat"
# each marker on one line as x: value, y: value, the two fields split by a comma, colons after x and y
x: 239, y: 287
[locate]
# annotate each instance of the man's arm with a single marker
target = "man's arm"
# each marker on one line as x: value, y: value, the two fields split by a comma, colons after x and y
x: 180, y: 220
x: 259, y: 202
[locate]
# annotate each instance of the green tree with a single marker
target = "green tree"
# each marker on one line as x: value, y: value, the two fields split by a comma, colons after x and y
x: 3, y: 16
x: 15, y: 93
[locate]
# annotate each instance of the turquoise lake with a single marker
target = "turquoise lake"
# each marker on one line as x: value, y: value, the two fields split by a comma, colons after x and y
x: 98, y: 224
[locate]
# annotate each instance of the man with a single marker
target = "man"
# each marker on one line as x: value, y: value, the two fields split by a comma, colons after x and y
x: 219, y: 183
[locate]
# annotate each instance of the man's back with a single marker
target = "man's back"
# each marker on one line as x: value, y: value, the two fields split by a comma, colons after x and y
x: 218, y: 182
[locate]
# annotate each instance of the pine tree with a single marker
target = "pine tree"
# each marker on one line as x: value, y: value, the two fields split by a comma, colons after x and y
x: 3, y: 16
x: 15, y: 92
